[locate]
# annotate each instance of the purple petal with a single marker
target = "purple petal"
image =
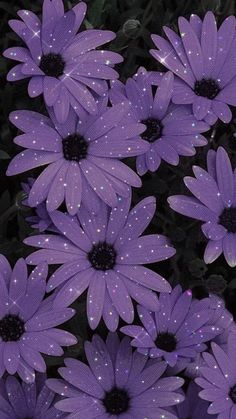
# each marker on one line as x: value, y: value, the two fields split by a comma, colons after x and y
x: 40, y: 342
x: 48, y: 320
x: 35, y: 86
x: 123, y: 363
x: 229, y: 249
x: 73, y: 189
x: 207, y: 192
x: 120, y: 296
x: 18, y: 285
x: 51, y: 90
x: 81, y: 94
x: 163, y: 96
x: 145, y: 277
x: 224, y: 176
x: 142, y: 295
x: 192, y: 208
x: 16, y: 73
x: 110, y: 315
x: 56, y: 192
x: 209, y: 43
x: 11, y: 357
x: 95, y: 299
x: 32, y: 358
x: 100, y: 365
x: 30, y: 159
x: 222, y: 110
x: 212, y: 251
x: 74, y: 288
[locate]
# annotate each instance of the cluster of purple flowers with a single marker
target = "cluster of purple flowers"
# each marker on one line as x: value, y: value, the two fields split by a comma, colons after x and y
x: 93, y: 122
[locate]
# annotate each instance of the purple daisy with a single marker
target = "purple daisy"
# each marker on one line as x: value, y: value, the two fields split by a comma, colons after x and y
x: 41, y: 219
x: 117, y: 383
x: 203, y: 60
x: 82, y: 157
x: 62, y: 64
x: 20, y: 400
x: 192, y: 407
x: 218, y: 380
x: 27, y: 322
x: 220, y: 318
x: 214, y: 203
x: 175, y: 332
x: 171, y: 130
x: 105, y: 253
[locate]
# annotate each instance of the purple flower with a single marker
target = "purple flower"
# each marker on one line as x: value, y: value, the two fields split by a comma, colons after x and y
x: 214, y: 203
x: 62, y: 64
x: 116, y: 384
x: 220, y: 318
x: 105, y: 253
x: 192, y: 407
x: 21, y: 400
x: 82, y: 157
x: 171, y: 130
x: 203, y: 61
x: 175, y: 332
x: 41, y: 220
x: 218, y: 380
x: 27, y: 322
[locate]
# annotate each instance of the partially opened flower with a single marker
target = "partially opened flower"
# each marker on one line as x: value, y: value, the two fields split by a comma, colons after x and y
x: 218, y: 380
x: 175, y: 332
x: 171, y: 130
x: 203, y: 61
x: 41, y: 219
x: 214, y: 203
x: 21, y: 401
x: 82, y: 157
x: 105, y: 253
x: 28, y: 322
x: 61, y: 64
x: 193, y: 406
x: 117, y: 383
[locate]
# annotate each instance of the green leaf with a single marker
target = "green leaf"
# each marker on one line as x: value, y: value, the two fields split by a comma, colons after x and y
x: 95, y: 13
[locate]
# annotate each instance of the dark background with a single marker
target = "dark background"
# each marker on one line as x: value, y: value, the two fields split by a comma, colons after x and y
x: 133, y: 21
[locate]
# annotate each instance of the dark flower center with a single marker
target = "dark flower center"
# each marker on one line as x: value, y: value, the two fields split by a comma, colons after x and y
x: 232, y: 393
x: 207, y: 88
x: 75, y: 147
x: 228, y: 219
x: 153, y: 130
x: 166, y: 341
x: 116, y: 401
x: 11, y: 328
x: 52, y: 64
x: 102, y: 256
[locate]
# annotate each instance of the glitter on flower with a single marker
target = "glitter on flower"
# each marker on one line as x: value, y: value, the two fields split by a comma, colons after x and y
x: 24, y: 401
x: 105, y: 253
x: 218, y: 380
x: 220, y: 318
x: 214, y: 203
x: 116, y: 383
x: 27, y: 322
x: 171, y: 130
x: 192, y: 407
x: 203, y: 61
x: 41, y: 219
x: 175, y: 332
x: 82, y: 157
x: 61, y: 64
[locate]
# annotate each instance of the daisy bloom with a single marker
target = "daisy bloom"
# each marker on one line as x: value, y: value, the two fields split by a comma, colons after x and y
x: 105, y: 253
x: 171, y: 130
x: 214, y: 203
x: 203, y: 60
x: 82, y: 157
x: 28, y: 321
x: 62, y: 64
x: 19, y: 400
x: 116, y: 383
x: 218, y: 380
x: 174, y: 332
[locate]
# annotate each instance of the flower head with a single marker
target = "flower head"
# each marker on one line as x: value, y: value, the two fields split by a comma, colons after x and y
x: 117, y: 383
x: 82, y: 157
x: 175, y: 332
x: 218, y: 380
x: 20, y: 400
x: 203, y: 61
x: 214, y: 203
x: 28, y: 321
x: 105, y: 253
x: 171, y: 130
x: 61, y: 64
